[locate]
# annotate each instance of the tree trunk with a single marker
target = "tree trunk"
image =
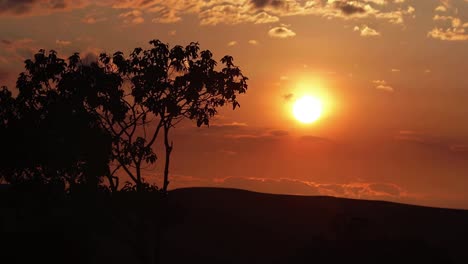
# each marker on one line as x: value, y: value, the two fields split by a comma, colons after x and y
x: 139, y: 183
x: 112, y: 185
x: 168, y: 155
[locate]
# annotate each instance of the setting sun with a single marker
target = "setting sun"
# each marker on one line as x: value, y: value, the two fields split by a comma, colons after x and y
x: 307, y: 109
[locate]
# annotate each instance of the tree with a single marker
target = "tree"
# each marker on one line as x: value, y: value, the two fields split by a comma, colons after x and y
x: 46, y: 138
x: 168, y: 85
x: 124, y: 102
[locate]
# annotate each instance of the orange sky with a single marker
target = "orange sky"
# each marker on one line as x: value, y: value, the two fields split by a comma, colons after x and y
x: 391, y: 74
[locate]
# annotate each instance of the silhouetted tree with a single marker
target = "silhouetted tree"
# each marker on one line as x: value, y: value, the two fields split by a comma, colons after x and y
x: 166, y: 85
x: 46, y: 137
x: 71, y: 115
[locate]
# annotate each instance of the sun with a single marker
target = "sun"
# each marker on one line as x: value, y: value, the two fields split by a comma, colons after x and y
x: 307, y: 109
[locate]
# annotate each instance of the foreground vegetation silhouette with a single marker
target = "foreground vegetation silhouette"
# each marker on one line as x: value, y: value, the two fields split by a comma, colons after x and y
x: 75, y: 128
x: 74, y: 123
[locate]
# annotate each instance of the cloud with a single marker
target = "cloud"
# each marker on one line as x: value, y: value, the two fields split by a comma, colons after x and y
x: 433, y: 141
x: 132, y: 17
x: 256, y: 134
x: 385, y: 189
x: 16, y: 7
x: 438, y: 146
x: 441, y: 8
x: 92, y: 19
x: 378, y: 2
x: 242, y: 132
x: 18, y: 49
x: 414, y: 136
x: 395, y: 70
x: 382, y: 85
x: 379, y: 82
x: 264, y: 3
x: 441, y: 144
x: 232, y: 43
x: 229, y: 125
x: 266, y: 185
x: 57, y: 4
x: 63, y: 42
x: 349, y: 8
x: 366, y: 31
x: 253, y: 42
x: 397, y: 16
x: 216, y: 12
x: 265, y: 136
x: 386, y: 88
x: 453, y: 28
x: 20, y: 7
x: 211, y: 12
x: 279, y: 133
x: 137, y: 20
x: 232, y: 128
x: 449, y: 34
x: 13, y: 53
x: 40, y: 7
x: 356, y: 190
x: 281, y: 32
x: 167, y: 17
x: 311, y: 138
x: 233, y: 14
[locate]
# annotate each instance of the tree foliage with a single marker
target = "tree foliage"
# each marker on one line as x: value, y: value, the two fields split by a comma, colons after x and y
x: 119, y: 106
x: 45, y: 136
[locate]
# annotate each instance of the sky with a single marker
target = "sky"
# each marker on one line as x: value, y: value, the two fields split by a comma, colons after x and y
x: 390, y: 74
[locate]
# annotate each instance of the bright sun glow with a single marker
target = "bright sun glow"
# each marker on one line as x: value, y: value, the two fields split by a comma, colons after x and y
x: 307, y: 109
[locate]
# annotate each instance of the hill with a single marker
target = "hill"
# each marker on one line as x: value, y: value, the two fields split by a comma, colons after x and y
x: 210, y: 225
x: 214, y: 225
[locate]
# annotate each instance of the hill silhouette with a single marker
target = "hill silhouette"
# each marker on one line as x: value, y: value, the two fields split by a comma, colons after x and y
x: 216, y: 225
x: 212, y: 225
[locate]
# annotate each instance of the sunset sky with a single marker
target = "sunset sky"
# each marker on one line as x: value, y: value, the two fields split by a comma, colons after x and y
x: 391, y: 75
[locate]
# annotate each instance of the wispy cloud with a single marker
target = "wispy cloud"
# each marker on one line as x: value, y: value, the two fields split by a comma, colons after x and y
x: 349, y: 7
x: 450, y: 26
x: 366, y: 31
x: 63, y: 42
x: 232, y: 43
x: 134, y: 17
x: 18, y: 49
x: 219, y: 11
x: 382, y: 85
x: 449, y: 34
x: 359, y: 190
x: 281, y: 32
